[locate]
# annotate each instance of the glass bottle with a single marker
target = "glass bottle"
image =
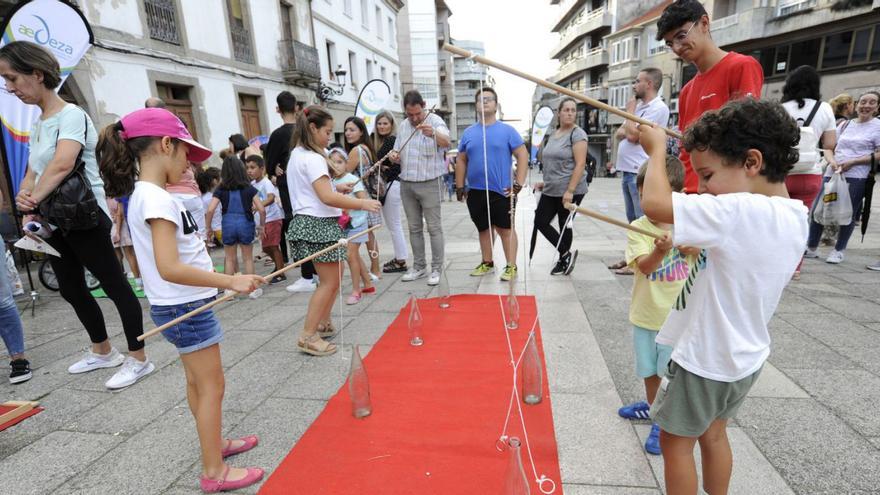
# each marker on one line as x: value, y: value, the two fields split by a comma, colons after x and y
x: 515, y: 480
x: 443, y: 291
x: 359, y: 386
x: 511, y: 307
x: 532, y: 373
x: 415, y: 322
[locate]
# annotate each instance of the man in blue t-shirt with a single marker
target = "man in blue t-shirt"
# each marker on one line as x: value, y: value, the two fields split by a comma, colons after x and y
x: 491, y: 204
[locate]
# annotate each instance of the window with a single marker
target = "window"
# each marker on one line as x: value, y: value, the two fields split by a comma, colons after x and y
x: 352, y: 68
x: 331, y: 60
x: 383, y: 73
x: 365, y: 20
x: 392, y: 37
x: 781, y: 65
x: 635, y: 47
x: 875, y: 48
x: 378, y: 22
x: 369, y: 70
x: 620, y: 51
x: 286, y: 21
x: 805, y: 53
x: 177, y: 101
x: 860, y: 46
x: 162, y: 20
x: 242, y: 50
x: 250, y: 115
x: 395, y: 87
x: 346, y: 7
x: 788, y: 7
x: 654, y: 47
x: 836, y: 50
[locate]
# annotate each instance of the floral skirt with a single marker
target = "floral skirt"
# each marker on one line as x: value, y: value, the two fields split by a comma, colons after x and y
x: 307, y: 235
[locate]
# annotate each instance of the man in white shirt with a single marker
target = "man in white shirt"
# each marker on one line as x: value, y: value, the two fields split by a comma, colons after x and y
x: 421, y: 176
x: 630, y: 156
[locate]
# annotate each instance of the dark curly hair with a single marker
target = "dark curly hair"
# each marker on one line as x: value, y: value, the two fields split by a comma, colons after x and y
x: 741, y: 125
x: 801, y: 83
x: 677, y: 14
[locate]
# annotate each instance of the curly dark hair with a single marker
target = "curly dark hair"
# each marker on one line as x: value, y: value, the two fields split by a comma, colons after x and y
x: 801, y: 83
x: 677, y: 14
x: 741, y: 125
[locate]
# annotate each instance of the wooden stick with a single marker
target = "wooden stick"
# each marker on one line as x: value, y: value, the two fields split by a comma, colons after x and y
x: 612, y: 221
x: 266, y: 279
x: 555, y: 87
x: 21, y: 407
x: 402, y: 146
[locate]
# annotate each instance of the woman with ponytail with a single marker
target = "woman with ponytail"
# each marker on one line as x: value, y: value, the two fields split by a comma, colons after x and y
x: 63, y: 135
x: 147, y: 149
x: 316, y: 209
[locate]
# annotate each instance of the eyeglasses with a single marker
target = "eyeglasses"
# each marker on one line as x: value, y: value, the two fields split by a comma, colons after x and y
x: 680, y: 38
x: 487, y: 99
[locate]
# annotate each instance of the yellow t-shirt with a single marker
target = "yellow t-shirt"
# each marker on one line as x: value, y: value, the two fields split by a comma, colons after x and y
x: 654, y: 295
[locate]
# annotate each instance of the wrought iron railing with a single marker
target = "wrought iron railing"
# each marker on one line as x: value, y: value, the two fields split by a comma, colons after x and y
x: 162, y: 20
x: 299, y: 61
x: 241, y: 43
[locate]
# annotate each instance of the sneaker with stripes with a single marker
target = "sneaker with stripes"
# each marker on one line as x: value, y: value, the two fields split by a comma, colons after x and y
x: 639, y: 410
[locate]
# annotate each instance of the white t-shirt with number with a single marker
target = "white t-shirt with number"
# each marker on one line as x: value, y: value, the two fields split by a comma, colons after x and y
x: 303, y: 169
x: 751, y: 246
x: 264, y: 188
x: 149, y: 201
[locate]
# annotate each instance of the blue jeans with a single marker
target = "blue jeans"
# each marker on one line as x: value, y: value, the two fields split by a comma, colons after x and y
x: 631, y: 196
x: 197, y: 333
x: 10, y: 322
x: 856, y: 194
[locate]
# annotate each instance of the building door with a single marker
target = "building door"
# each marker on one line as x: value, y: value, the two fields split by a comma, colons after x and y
x: 250, y: 115
x: 177, y: 101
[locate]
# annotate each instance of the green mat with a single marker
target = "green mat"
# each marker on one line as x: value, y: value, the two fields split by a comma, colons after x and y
x: 100, y: 294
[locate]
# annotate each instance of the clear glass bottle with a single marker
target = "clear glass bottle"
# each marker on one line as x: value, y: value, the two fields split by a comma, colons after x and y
x: 443, y: 291
x: 515, y: 480
x: 532, y: 373
x: 415, y: 322
x: 359, y: 386
x: 511, y: 307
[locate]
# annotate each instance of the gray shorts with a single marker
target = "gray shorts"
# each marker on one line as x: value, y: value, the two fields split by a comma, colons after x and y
x: 687, y: 404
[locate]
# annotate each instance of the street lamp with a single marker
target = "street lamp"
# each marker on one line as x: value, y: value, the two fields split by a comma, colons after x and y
x: 326, y: 92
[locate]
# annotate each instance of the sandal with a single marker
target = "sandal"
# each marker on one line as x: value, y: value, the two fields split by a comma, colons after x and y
x: 209, y: 485
x: 315, y: 345
x: 326, y: 330
x: 624, y: 271
x: 617, y: 266
x: 394, y: 266
x: 250, y: 442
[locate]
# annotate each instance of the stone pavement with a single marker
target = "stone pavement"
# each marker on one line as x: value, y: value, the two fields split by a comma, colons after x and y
x: 809, y: 427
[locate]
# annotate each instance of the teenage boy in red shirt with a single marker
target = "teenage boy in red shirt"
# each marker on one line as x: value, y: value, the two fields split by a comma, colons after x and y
x: 721, y: 76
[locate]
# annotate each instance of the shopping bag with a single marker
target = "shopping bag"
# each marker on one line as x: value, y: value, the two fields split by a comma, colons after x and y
x: 834, y: 206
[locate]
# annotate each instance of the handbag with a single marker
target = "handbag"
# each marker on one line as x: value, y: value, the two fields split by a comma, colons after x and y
x: 72, y: 205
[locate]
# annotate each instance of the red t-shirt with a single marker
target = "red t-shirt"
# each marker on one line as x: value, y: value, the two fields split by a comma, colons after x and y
x: 734, y: 76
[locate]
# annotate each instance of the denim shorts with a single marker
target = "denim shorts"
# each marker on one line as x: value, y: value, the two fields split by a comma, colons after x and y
x: 194, y: 334
x: 238, y: 229
x: 651, y: 357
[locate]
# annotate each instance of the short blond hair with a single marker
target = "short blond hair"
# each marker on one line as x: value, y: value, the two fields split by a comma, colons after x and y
x: 674, y: 172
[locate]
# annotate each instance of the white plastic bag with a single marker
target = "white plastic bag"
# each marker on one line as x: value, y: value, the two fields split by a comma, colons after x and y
x: 834, y: 206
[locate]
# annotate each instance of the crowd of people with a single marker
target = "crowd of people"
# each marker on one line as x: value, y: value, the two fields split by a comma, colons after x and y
x: 156, y: 207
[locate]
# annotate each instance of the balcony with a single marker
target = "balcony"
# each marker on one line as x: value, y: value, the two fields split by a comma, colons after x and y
x: 626, y: 71
x: 299, y: 62
x: 593, y: 58
x: 746, y: 25
x: 597, y: 92
x: 592, y: 21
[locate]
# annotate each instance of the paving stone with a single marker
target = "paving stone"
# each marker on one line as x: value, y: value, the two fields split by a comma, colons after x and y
x: 575, y: 489
x: 254, y: 378
x: 773, y: 383
x: 64, y: 453
x: 814, y: 451
x: 574, y: 363
x: 853, y: 308
x: 793, y: 349
x: 236, y: 345
x: 562, y: 317
x: 318, y: 378
x: 852, y: 394
x: 832, y: 330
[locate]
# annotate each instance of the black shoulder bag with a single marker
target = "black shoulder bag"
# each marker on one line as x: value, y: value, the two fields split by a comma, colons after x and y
x: 72, y: 205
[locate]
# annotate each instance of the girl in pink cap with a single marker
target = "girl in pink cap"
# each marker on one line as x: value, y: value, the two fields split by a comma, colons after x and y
x: 138, y: 156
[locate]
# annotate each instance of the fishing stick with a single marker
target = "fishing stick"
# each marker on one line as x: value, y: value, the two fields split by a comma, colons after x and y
x: 612, y: 221
x: 266, y: 279
x: 555, y: 87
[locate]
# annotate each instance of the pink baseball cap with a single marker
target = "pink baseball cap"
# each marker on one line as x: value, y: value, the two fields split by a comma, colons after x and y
x: 158, y: 122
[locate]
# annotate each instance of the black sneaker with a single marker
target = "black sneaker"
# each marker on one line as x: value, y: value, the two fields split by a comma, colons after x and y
x: 278, y: 279
x: 572, y: 259
x: 561, y: 265
x: 21, y: 371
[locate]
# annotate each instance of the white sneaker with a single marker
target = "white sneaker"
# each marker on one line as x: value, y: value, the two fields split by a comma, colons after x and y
x: 414, y: 275
x: 375, y: 278
x: 132, y: 370
x: 434, y: 279
x: 139, y: 283
x: 303, y: 285
x: 811, y: 253
x: 875, y: 266
x: 94, y: 361
x: 834, y: 257
x: 256, y: 293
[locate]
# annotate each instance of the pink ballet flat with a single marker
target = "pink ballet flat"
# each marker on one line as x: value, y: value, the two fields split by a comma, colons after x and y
x: 208, y: 485
x: 250, y: 442
x: 354, y: 298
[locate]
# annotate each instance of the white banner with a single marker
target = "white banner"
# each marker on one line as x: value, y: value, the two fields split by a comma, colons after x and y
x: 542, y: 121
x: 371, y: 101
x: 61, y: 29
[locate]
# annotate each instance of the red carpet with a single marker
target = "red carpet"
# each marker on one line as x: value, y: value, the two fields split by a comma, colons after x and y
x: 438, y: 410
x: 7, y: 409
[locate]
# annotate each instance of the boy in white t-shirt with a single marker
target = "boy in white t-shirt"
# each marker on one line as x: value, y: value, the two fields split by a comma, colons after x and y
x: 268, y: 193
x: 753, y: 235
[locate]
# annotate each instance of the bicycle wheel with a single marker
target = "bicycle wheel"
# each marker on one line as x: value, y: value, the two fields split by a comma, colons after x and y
x: 47, y: 276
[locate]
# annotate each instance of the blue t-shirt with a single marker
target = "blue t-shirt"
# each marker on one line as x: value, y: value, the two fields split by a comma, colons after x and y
x: 501, y: 140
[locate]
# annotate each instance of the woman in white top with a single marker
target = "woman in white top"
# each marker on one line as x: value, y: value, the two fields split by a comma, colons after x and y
x: 801, y: 99
x: 315, y: 224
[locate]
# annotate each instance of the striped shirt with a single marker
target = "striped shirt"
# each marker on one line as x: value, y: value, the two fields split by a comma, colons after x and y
x: 422, y: 159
